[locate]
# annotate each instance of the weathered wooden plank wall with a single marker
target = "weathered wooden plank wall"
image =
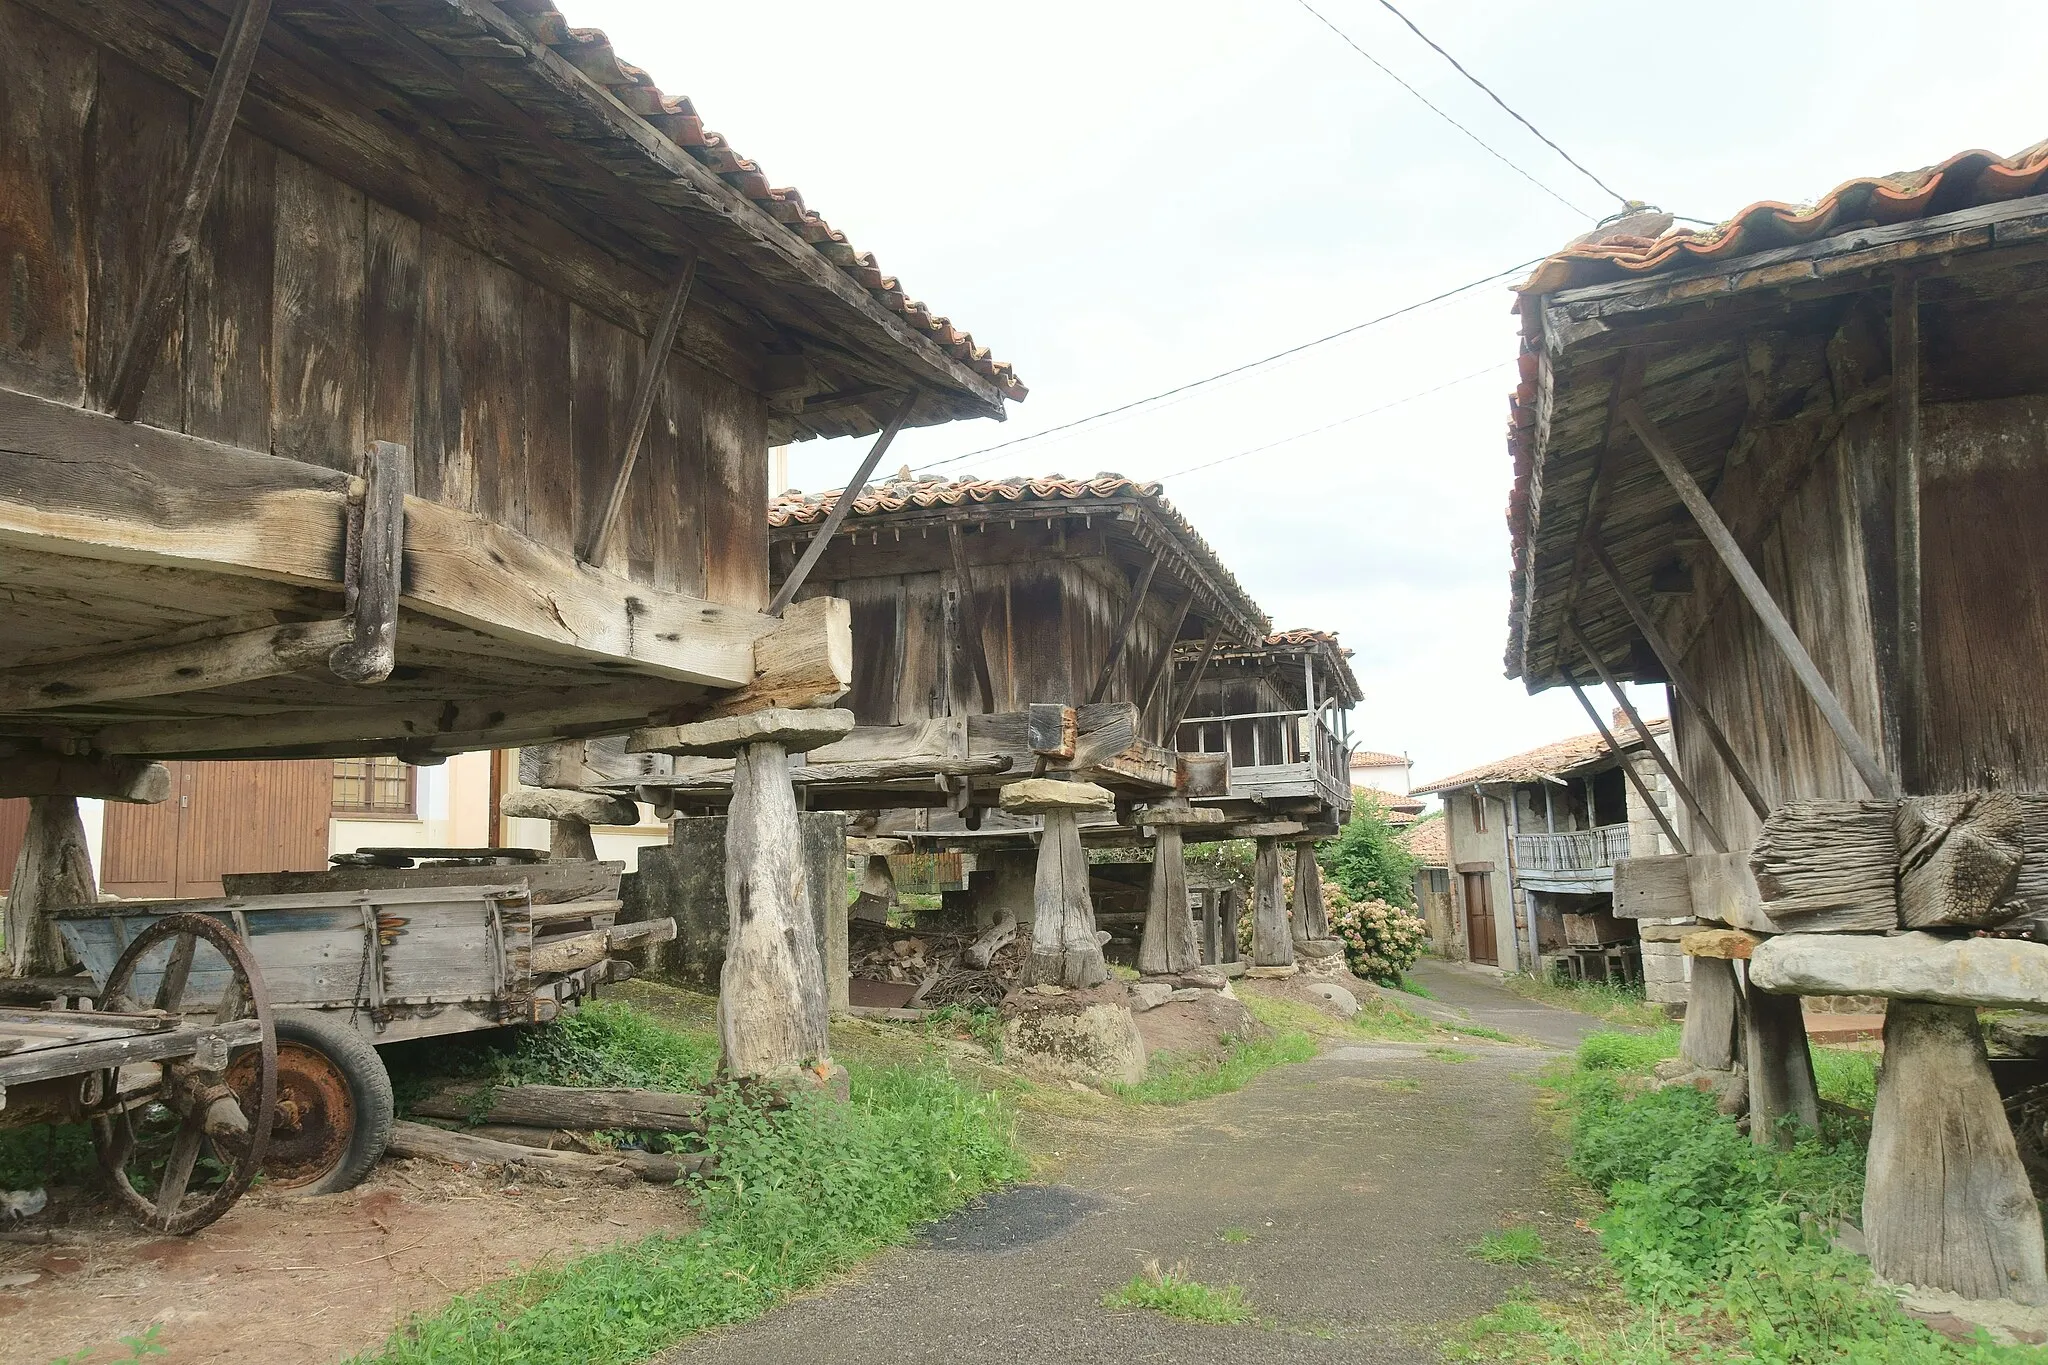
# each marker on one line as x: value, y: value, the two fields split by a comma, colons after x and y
x: 317, y: 318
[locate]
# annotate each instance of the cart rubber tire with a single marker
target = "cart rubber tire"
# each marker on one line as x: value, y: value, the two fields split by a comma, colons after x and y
x: 354, y: 1083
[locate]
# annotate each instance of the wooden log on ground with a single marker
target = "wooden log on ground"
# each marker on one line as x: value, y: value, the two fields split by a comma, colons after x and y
x: 1311, y: 916
x: 996, y: 937
x: 53, y: 869
x: 1272, y: 944
x: 1945, y: 1199
x: 1713, y: 1016
x: 1781, y: 1084
x: 573, y: 952
x: 565, y: 1106
x: 805, y: 661
x: 1658, y: 887
x: 773, y: 1008
x: 1829, y: 865
x: 38, y: 772
x: 1167, y: 944
x: 1959, y: 859
x: 462, y: 1149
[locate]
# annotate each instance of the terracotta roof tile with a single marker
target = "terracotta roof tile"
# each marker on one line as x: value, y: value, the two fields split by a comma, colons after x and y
x: 1379, y: 758
x: 675, y: 118
x: 1427, y: 842
x: 795, y: 508
x: 1551, y: 760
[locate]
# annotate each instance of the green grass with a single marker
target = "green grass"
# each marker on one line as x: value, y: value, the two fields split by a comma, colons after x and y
x: 1408, y: 985
x: 798, y: 1195
x: 1714, y: 1249
x: 1172, y: 1293
x: 1234, y: 1236
x: 1178, y: 1082
x: 1511, y: 1246
x: 1482, y: 1031
x: 1406, y: 1085
x: 1449, y: 1054
x: 1614, y: 1004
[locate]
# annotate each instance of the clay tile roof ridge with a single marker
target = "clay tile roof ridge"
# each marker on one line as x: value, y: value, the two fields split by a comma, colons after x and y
x: 1555, y: 759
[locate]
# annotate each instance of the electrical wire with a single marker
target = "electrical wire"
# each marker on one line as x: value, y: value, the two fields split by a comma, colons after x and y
x: 1340, y: 422
x: 1236, y: 369
x: 1487, y: 146
x: 1623, y: 199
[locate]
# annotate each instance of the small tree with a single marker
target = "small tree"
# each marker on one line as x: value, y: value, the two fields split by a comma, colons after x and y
x: 1367, y: 861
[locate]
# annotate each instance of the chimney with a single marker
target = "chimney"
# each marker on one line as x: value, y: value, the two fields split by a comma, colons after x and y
x: 1618, y: 721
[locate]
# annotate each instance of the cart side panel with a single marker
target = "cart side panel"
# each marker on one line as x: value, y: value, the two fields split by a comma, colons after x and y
x: 443, y: 951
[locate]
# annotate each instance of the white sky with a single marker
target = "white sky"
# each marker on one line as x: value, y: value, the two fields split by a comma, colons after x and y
x: 1119, y: 197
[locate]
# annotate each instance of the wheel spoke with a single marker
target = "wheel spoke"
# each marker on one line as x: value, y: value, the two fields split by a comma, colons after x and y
x: 170, y: 992
x: 178, y: 1170
x: 233, y: 1000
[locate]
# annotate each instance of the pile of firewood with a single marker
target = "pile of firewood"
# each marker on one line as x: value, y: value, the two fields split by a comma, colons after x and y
x: 552, y: 1128
x: 948, y: 968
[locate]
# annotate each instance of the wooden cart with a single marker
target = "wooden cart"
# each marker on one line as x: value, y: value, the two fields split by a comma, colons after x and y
x: 361, y: 956
x: 180, y: 1092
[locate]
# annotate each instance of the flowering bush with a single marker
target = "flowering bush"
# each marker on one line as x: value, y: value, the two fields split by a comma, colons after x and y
x: 1381, y: 942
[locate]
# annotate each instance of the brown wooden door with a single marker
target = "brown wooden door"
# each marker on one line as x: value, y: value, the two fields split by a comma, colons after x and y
x: 1481, y: 944
x: 221, y: 817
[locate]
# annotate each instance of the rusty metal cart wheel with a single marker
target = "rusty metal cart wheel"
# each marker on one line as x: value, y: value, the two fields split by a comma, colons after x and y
x: 334, y: 1105
x: 177, y: 1144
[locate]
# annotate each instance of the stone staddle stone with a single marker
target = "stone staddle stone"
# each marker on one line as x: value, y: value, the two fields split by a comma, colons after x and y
x: 797, y: 731
x: 877, y: 848
x: 589, y: 808
x: 1037, y: 795
x: 1993, y: 973
x: 1198, y: 815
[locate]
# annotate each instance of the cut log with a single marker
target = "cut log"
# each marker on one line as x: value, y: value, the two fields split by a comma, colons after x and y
x: 1167, y: 945
x: 462, y: 1149
x: 1272, y: 944
x: 1045, y: 795
x: 1959, y: 859
x: 804, y: 662
x: 198, y: 666
x: 772, y: 1003
x: 993, y: 940
x: 1713, y: 1016
x: 38, y: 772
x: 1946, y: 1203
x: 53, y: 869
x: 1051, y: 729
x: 1311, y: 917
x: 1995, y: 973
x: 533, y: 803
x: 1064, y: 948
x: 573, y: 952
x: 1657, y: 887
x: 563, y: 1106
x: 1824, y: 865
x: 1780, y: 1066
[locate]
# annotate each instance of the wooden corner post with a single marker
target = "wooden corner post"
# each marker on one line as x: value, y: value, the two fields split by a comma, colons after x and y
x: 1272, y: 944
x: 1064, y: 948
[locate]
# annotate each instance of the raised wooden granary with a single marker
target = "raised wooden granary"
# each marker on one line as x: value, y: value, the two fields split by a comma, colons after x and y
x: 1797, y: 466
x: 1278, y: 707
x: 400, y: 379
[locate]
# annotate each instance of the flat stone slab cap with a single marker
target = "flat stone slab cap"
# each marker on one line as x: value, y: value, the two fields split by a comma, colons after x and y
x: 1271, y: 973
x: 1269, y: 829
x: 1992, y: 972
x: 1733, y: 944
x: 1190, y: 815
x: 588, y: 808
x: 1036, y: 795
x: 796, y: 731
x: 877, y: 848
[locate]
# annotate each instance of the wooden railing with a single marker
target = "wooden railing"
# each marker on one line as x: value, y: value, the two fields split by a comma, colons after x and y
x: 1269, y: 740
x: 1574, y: 850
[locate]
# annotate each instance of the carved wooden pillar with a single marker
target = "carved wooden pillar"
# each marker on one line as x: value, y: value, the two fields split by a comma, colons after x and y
x: 1311, y: 916
x: 54, y: 869
x: 1272, y: 943
x: 1065, y: 950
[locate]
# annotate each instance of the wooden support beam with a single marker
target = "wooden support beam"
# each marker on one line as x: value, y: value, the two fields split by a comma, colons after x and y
x: 842, y: 505
x: 1272, y: 944
x: 170, y: 263
x: 1167, y: 945
x: 53, y: 869
x: 1628, y: 769
x: 970, y: 619
x: 1163, y: 665
x: 1667, y: 458
x: 39, y: 772
x: 1121, y: 641
x: 1713, y: 1016
x: 1663, y: 760
x: 1905, y: 415
x: 1781, y: 1084
x: 1187, y: 699
x: 196, y: 666
x: 1065, y: 948
x: 376, y: 566
x: 1311, y: 916
x: 653, y: 369
x: 804, y: 661
x: 1675, y: 670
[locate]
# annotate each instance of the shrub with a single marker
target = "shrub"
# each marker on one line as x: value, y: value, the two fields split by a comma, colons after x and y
x: 1367, y: 860
x: 1380, y: 941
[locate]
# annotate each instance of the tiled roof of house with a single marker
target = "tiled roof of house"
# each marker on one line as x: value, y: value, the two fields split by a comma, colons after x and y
x: 1427, y: 842
x: 1378, y: 758
x: 1965, y: 180
x: 1560, y: 759
x: 676, y: 119
x: 905, y: 493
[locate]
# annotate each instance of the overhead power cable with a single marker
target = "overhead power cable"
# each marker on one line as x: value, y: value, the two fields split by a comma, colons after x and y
x: 1488, y: 147
x: 1340, y: 422
x: 1355, y: 328
x: 1623, y: 199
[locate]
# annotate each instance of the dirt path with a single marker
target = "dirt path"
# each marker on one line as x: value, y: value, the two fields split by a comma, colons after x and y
x: 1362, y: 1179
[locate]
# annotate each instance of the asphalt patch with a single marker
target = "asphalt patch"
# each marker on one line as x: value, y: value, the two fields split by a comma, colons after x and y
x: 1011, y: 1219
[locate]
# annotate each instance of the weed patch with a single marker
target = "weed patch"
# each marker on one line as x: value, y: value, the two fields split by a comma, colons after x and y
x: 1177, y: 1083
x: 1406, y: 1085
x: 1511, y: 1246
x: 1449, y: 1054
x: 1608, y: 1001
x: 1408, y: 985
x: 1233, y: 1236
x: 797, y: 1195
x: 1172, y: 1293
